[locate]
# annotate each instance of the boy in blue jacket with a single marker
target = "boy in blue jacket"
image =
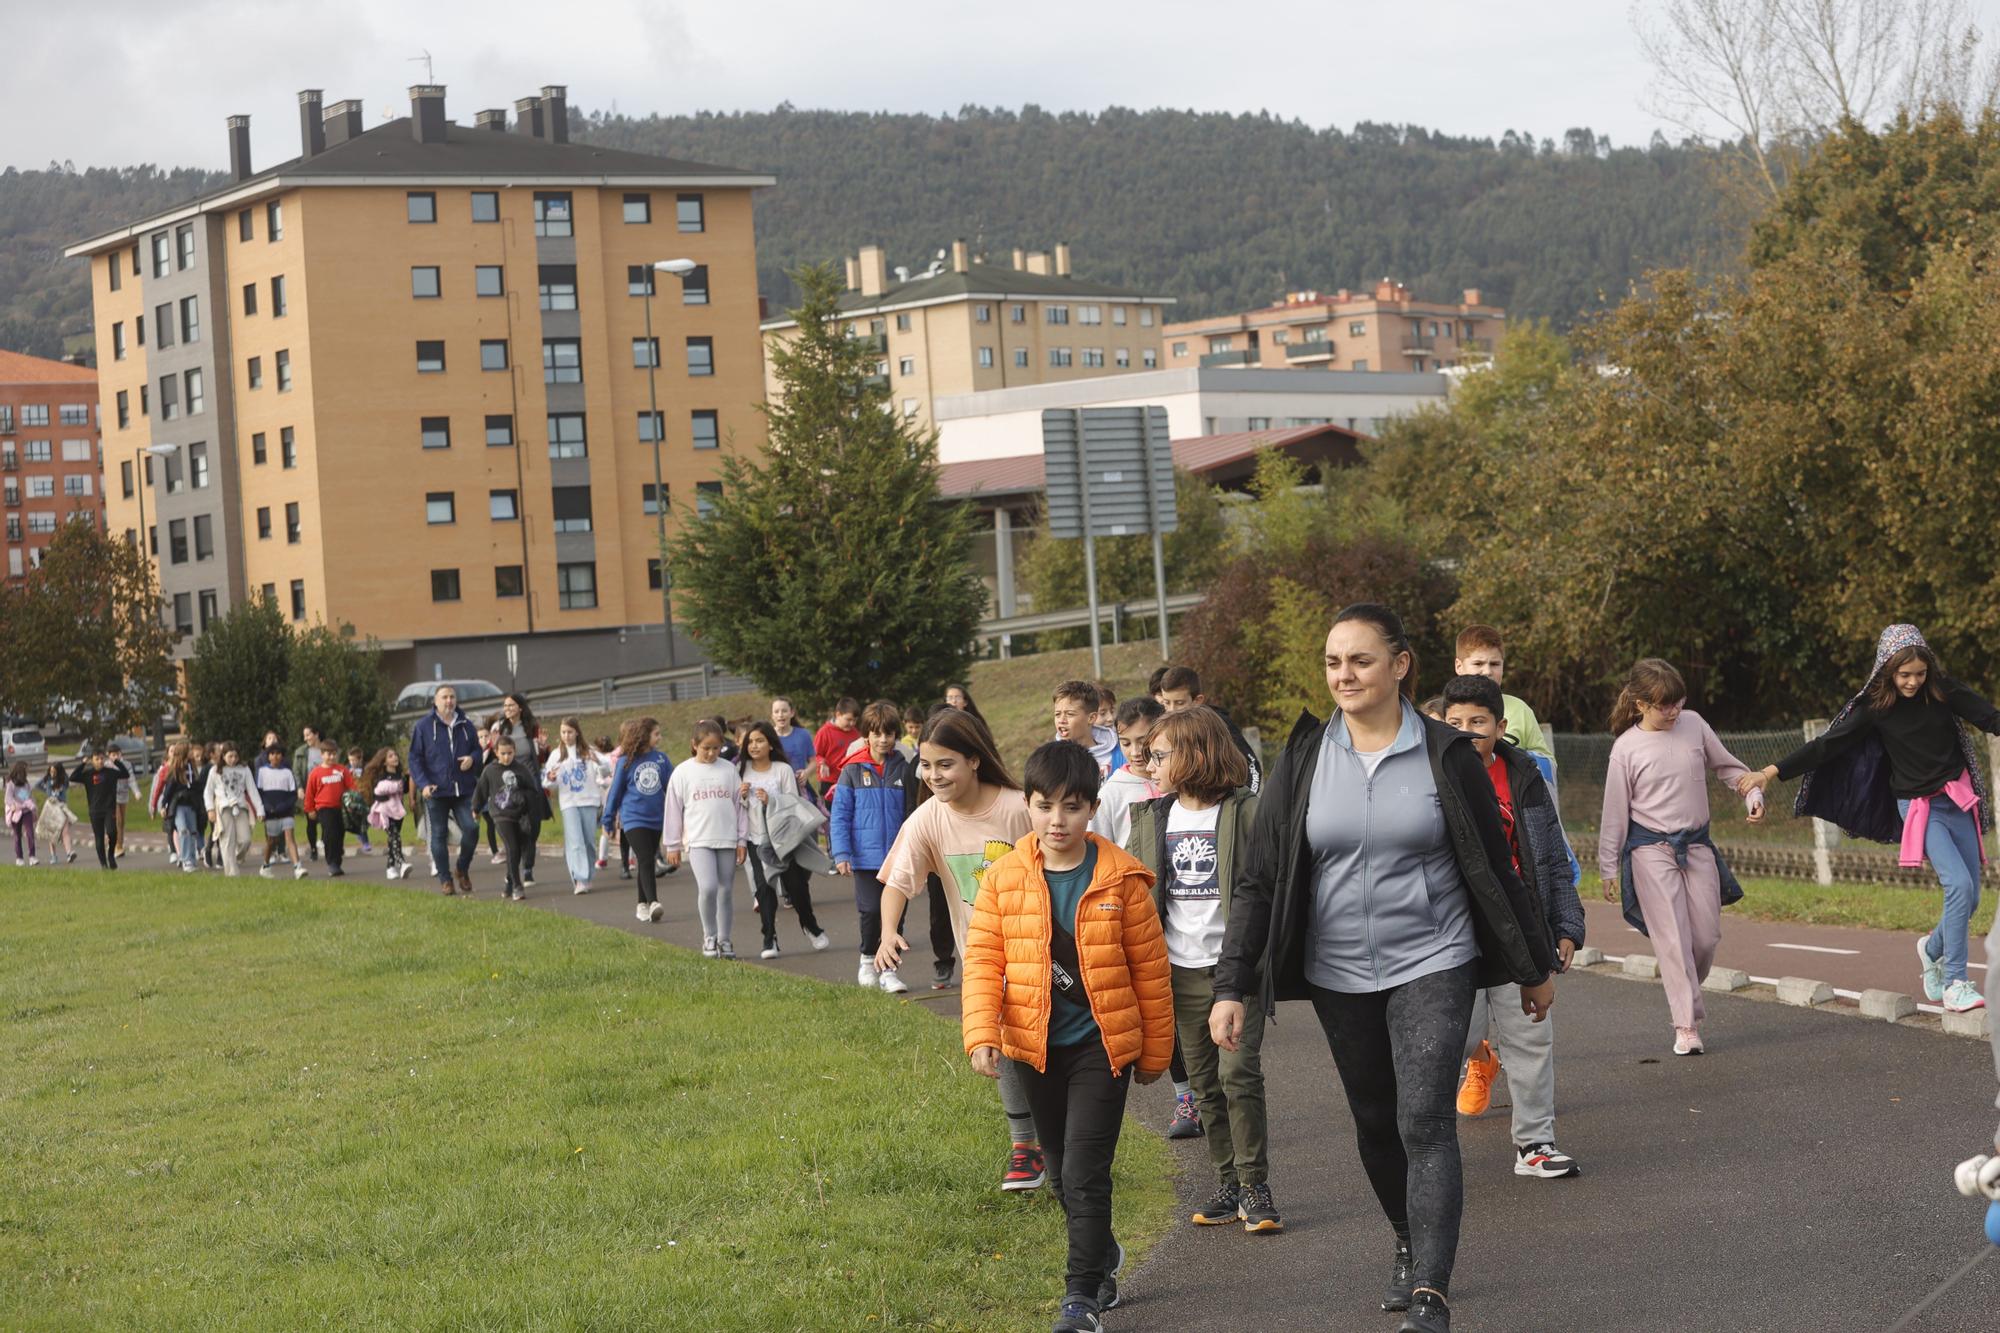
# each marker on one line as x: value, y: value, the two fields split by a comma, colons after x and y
x: 869, y: 802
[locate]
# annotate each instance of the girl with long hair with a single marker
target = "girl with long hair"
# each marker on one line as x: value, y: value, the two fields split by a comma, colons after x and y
x: 21, y: 813
x: 577, y: 774
x: 768, y: 777
x: 234, y: 806
x: 960, y: 697
x: 705, y: 824
x: 386, y: 787
x: 637, y: 803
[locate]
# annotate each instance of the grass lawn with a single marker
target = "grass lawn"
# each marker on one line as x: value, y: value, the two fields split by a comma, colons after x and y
x: 249, y: 1104
x: 1880, y: 907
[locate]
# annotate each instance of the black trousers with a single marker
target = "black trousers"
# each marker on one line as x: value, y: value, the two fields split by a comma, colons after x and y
x: 645, y: 845
x: 944, y: 945
x: 104, y: 832
x: 513, y: 835
x: 797, y: 882
x: 1399, y: 1052
x: 333, y: 837
x: 311, y: 840
x: 1079, y: 1107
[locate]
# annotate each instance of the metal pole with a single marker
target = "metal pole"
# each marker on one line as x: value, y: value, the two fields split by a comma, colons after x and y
x: 1153, y: 521
x: 659, y: 481
x: 1089, y: 550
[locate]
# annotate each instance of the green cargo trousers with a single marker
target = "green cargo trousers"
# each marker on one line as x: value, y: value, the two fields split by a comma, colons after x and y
x: 1228, y: 1085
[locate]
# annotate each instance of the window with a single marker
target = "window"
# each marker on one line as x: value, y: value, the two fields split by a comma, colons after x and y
x: 163, y: 324
x: 558, y: 286
x: 135, y: 265
x: 292, y: 523
x: 1433, y: 329
x: 73, y: 414
x: 444, y: 585
x: 204, y: 537
x: 706, y: 494
x: 421, y: 206
x: 638, y: 208
x: 177, y: 541
x: 440, y: 507
x: 259, y: 454
x: 488, y: 280
x: 653, y: 573
x: 485, y: 206
x: 1122, y: 358
x: 298, y: 590
x: 508, y: 581
x: 284, y: 371
x: 687, y: 212
x: 118, y: 340
x: 1149, y: 358
x: 114, y: 272
x: 500, y: 432
x: 436, y: 432
x: 124, y: 409
x: 562, y: 361
x: 1257, y: 423
x: 639, y: 280
x: 701, y: 356
x: 1145, y: 317
x: 576, y: 586
x: 183, y: 613
x: 503, y: 506
x: 1056, y: 314
x: 77, y: 485
x: 572, y: 505
x: 41, y: 522
x: 162, y: 255
x: 256, y: 372
x: 1090, y: 314
x: 878, y: 326
x: 288, y: 449
x: 707, y: 429
x: 278, y: 306
x: 906, y: 365
x: 492, y: 353
x: 269, y: 592
x: 1180, y: 349
x: 1017, y: 314
x: 184, y: 244
x: 197, y: 399
x: 190, y: 319
x: 552, y: 215
x: 982, y: 314
x: 208, y: 611
x: 1093, y: 356
x: 424, y: 282
x: 6, y: 417
x: 909, y: 409
x: 249, y: 298
x: 430, y: 357
x: 652, y: 426
x: 1118, y: 316
x: 903, y: 323
x: 245, y: 227
x: 645, y: 352
x: 1021, y: 357
x: 264, y: 523
x: 1359, y: 365
x: 1221, y: 344
x: 139, y: 330
x: 694, y: 287
x: 198, y: 464
x: 986, y: 358
x: 1060, y: 356
x: 274, y: 230
x: 649, y: 501
x: 170, y: 396
x: 1357, y: 328
x: 35, y: 451
x: 566, y: 435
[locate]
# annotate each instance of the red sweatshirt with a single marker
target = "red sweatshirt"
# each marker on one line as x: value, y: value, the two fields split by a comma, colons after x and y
x: 830, y: 746
x: 325, y: 784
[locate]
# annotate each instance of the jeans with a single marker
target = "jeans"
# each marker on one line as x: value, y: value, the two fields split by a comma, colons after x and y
x: 187, y: 835
x: 1228, y: 1085
x: 1527, y: 1052
x: 1399, y: 1052
x: 458, y: 810
x: 1079, y: 1107
x: 1951, y: 845
x: 579, y: 824
x: 714, y: 880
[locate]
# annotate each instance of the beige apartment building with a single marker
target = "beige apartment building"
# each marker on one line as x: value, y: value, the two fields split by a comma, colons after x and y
x: 966, y: 326
x: 1386, y: 329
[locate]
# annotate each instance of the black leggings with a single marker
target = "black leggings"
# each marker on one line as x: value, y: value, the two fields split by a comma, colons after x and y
x: 797, y: 882
x: 1399, y: 1052
x: 645, y: 844
x: 1079, y: 1107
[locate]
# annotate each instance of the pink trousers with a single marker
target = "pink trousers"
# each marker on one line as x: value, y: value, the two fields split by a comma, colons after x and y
x: 1683, y: 910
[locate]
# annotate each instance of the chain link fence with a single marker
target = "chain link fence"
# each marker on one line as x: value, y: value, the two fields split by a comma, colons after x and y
x: 1782, y: 845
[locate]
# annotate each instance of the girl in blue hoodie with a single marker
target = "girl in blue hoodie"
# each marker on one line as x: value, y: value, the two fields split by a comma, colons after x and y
x: 637, y: 803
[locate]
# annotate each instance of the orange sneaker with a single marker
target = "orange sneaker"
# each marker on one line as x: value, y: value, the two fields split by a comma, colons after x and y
x: 1476, y: 1093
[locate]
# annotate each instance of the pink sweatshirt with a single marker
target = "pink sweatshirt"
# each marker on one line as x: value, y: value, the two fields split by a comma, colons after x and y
x: 1660, y: 779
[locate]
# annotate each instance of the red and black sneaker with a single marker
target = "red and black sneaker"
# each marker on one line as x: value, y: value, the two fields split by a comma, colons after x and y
x: 1026, y: 1168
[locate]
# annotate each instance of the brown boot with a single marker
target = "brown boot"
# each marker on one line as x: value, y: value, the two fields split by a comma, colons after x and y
x: 465, y: 883
x: 445, y: 887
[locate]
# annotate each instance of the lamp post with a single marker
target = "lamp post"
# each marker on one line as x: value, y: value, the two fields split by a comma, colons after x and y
x: 144, y: 454
x: 680, y: 268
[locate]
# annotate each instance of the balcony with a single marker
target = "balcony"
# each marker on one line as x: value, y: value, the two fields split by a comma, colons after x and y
x: 877, y: 343
x: 875, y: 381
x: 13, y: 500
x: 1247, y: 356
x: 1480, y: 346
x: 9, y: 463
x: 1419, y: 344
x: 1322, y: 350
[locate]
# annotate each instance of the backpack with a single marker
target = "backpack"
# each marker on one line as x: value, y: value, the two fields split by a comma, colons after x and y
x: 354, y: 811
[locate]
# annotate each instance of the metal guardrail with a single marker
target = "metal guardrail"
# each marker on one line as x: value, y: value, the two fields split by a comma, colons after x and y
x: 1115, y: 612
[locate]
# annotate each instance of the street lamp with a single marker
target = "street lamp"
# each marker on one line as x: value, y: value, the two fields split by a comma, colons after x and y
x: 680, y: 268
x: 143, y: 454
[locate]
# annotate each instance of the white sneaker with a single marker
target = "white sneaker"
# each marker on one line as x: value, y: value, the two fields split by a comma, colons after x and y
x: 578, y: 887
x: 18, y: 863
x: 1687, y: 1041
x: 1962, y: 997
x: 866, y: 975
x: 658, y: 910
x: 820, y: 942
x: 499, y: 858
x: 186, y: 868
x: 1933, y: 970
x: 770, y: 950
x: 891, y: 983
x: 726, y: 950
x: 708, y: 946
x: 388, y: 872
x: 266, y: 872
x: 643, y: 914
x: 299, y: 872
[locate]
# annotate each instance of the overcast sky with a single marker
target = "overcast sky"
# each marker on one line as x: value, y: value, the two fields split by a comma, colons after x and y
x: 113, y: 82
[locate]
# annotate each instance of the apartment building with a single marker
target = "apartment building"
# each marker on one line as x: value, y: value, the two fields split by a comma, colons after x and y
x: 963, y: 325
x: 1387, y: 329
x: 49, y: 453
x: 400, y: 381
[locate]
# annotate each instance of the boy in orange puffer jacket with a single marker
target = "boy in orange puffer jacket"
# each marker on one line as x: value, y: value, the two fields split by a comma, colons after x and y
x: 1066, y: 972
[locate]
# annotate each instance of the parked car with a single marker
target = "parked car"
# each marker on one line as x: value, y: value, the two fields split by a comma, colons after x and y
x: 417, y: 694
x: 132, y: 749
x: 24, y: 745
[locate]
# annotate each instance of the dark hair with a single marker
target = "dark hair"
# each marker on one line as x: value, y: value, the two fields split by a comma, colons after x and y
x: 527, y: 713
x: 960, y: 732
x: 376, y: 769
x: 881, y: 717
x: 770, y: 735
x: 1061, y: 768
x: 970, y: 706
x: 634, y: 735
x: 1106, y: 696
x: 1179, y: 678
x: 97, y: 748
x: 1082, y: 691
x: 1433, y: 707
x: 848, y: 704
x: 1157, y: 681
x: 1882, y: 691
x: 1481, y: 691
x: 504, y: 739
x: 1145, y: 708
x: 1649, y: 681
x: 18, y: 774
x: 575, y: 724
x: 1390, y: 626
x: 709, y: 726
x: 1205, y: 761
x: 604, y: 744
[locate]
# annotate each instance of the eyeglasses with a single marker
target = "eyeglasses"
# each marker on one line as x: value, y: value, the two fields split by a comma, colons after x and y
x: 1158, y: 757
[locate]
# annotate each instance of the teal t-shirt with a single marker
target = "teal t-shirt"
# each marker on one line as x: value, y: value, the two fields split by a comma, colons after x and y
x: 1070, y: 1019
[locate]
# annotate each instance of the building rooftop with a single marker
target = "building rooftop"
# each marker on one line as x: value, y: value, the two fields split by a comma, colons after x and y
x: 984, y: 280
x: 1220, y: 458
x: 20, y: 368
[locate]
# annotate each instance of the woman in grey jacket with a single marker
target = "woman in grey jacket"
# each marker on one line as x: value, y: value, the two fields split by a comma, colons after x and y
x: 1380, y: 886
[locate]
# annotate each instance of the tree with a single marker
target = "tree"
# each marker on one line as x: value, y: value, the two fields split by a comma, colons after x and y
x: 237, y: 676
x: 830, y: 566
x: 337, y: 685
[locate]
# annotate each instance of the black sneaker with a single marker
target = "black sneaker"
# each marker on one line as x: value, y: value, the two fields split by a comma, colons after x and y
x: 941, y: 980
x: 1259, y: 1214
x: 1401, y: 1278
x: 1428, y: 1314
x: 1077, y: 1317
x: 1186, y: 1123
x: 1220, y: 1209
x: 1107, y: 1291
x: 1544, y: 1160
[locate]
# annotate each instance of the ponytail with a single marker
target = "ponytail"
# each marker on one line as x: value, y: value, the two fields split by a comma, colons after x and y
x: 1390, y: 626
x: 1651, y: 680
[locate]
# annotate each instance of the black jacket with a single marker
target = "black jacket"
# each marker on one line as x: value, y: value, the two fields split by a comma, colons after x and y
x: 1263, y: 950
x: 100, y: 785
x: 1256, y: 782
x: 1538, y: 832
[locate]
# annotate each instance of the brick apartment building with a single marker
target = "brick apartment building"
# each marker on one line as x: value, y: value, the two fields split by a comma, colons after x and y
x: 1386, y: 329
x: 50, y: 453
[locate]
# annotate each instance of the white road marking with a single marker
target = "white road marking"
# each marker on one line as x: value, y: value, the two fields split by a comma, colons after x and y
x: 1815, y: 948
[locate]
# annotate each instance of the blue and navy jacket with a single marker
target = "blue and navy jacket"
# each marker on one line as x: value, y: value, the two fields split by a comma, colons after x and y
x: 436, y: 746
x: 868, y: 808
x: 638, y: 795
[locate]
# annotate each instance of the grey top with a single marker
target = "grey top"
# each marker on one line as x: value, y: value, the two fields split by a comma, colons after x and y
x: 1389, y: 904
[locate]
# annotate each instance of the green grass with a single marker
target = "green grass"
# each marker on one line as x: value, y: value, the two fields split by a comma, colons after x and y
x: 1878, y: 907
x: 258, y: 1105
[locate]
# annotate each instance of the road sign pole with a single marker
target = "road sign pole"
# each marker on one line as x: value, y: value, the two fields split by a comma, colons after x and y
x: 1089, y: 551
x: 1153, y: 522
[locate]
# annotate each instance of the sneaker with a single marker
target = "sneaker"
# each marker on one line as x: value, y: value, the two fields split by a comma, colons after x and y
x: 187, y: 867
x: 1687, y: 1041
x: 770, y: 949
x: 785, y: 901
x: 445, y: 887
x: 1077, y: 1317
x: 266, y: 872
x: 515, y: 895
x: 499, y: 858
x: 625, y: 873
x: 654, y: 910
x: 465, y: 882
x: 1933, y: 970
x: 1544, y: 1160
x: 18, y: 863
x: 1962, y: 997
x: 1259, y: 1214
x: 1222, y: 1208
x: 941, y: 980
x: 866, y: 974
x: 1402, y: 1277
x: 527, y: 879
x: 299, y: 872
x: 821, y: 943
x: 892, y: 984
x: 1475, y: 1094
x: 1428, y: 1313
x: 388, y: 872
x: 335, y: 873
x: 601, y: 863
x: 1107, y: 1291
x: 644, y: 915
x: 578, y: 887
x: 1186, y: 1123
x: 1026, y: 1169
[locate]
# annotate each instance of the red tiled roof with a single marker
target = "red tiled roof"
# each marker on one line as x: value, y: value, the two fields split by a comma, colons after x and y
x: 19, y: 368
x: 1199, y: 454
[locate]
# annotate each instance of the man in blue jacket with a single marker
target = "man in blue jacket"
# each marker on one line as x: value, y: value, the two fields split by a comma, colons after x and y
x: 444, y: 759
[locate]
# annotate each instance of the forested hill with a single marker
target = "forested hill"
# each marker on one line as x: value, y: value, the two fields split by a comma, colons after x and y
x: 1221, y: 211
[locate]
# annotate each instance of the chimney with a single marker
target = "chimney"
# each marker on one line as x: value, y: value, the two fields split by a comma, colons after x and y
x: 427, y: 112
x: 1020, y: 259
x: 312, y: 130
x: 555, y: 111
x: 960, y: 257
x: 1038, y: 262
x: 853, y: 274
x: 1472, y: 296
x: 494, y: 118
x: 343, y: 122
x: 239, y: 147
x: 1062, y: 259
x: 528, y: 116
x: 874, y: 270
x: 1385, y: 290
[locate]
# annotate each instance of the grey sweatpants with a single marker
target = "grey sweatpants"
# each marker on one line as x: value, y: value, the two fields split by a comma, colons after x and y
x: 1527, y: 1051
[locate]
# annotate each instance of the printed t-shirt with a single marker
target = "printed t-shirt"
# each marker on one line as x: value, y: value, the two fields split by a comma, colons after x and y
x: 935, y: 840
x: 1194, y: 921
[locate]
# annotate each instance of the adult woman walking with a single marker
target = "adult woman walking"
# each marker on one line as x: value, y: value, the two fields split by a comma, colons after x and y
x: 517, y: 721
x: 1379, y: 885
x: 1897, y: 767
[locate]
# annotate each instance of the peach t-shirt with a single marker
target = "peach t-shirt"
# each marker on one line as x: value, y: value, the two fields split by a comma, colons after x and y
x: 937, y: 840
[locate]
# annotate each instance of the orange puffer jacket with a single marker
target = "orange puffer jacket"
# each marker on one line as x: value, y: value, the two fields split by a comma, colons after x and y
x: 1119, y: 947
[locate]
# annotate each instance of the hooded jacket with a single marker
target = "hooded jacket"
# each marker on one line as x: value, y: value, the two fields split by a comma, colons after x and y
x: 869, y: 805
x: 436, y: 746
x: 1546, y: 862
